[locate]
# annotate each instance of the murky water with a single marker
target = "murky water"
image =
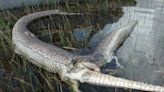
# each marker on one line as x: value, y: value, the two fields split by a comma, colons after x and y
x: 16, y: 74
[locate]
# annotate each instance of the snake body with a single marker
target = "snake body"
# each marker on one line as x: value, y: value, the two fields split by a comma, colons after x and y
x: 57, y: 60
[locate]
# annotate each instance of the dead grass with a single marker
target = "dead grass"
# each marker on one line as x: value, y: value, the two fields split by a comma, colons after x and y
x: 16, y: 73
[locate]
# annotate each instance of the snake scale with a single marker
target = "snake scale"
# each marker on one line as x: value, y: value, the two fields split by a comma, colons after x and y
x: 57, y: 60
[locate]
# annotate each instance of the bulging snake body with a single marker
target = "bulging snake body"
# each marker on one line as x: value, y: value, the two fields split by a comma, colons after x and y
x: 57, y: 60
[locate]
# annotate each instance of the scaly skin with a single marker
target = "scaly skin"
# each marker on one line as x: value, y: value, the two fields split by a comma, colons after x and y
x: 111, y: 42
x: 57, y: 60
x: 114, y: 40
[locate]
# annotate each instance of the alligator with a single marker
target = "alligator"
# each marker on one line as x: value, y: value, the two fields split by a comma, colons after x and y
x: 68, y: 65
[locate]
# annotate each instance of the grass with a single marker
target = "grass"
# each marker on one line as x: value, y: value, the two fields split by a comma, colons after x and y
x: 17, y: 74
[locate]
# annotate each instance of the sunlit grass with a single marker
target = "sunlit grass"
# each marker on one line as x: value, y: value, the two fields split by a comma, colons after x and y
x: 16, y: 73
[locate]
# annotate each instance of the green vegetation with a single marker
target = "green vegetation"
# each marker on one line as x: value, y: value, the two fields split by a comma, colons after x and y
x: 16, y: 73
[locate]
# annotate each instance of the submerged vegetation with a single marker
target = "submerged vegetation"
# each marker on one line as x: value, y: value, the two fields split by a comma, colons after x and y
x: 17, y: 74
